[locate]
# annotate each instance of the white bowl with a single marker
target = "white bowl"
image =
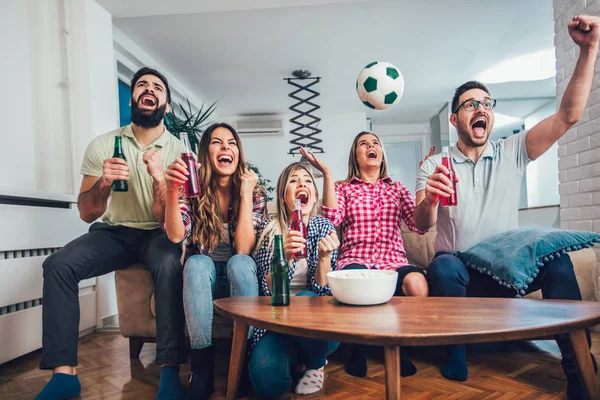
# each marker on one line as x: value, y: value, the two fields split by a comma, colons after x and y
x: 362, y: 286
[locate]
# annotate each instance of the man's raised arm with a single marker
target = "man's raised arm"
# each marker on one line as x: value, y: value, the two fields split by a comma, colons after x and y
x: 584, y: 31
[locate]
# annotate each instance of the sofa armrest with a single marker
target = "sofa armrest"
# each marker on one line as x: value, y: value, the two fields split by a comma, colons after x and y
x: 419, y: 248
x: 134, y: 286
x: 586, y: 271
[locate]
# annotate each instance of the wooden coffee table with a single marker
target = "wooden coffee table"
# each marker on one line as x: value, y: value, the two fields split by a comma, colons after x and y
x: 411, y: 321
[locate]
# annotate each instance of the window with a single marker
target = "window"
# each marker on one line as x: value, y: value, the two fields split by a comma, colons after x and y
x: 124, y: 108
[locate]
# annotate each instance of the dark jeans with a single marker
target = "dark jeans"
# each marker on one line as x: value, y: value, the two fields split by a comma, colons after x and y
x: 106, y: 249
x: 448, y: 276
x: 275, y: 355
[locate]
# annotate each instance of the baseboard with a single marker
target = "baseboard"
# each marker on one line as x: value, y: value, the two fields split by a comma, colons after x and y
x: 110, y: 321
x: 87, y: 331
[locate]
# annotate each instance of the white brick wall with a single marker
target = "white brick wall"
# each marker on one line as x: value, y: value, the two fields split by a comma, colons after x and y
x: 579, y: 149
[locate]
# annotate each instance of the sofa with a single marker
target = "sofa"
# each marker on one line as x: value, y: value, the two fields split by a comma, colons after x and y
x: 135, y: 290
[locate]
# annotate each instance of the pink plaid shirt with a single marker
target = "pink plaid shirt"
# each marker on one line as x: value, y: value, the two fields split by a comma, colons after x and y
x: 371, y: 217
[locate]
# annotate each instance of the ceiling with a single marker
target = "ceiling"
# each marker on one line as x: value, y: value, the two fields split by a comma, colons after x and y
x: 238, y: 53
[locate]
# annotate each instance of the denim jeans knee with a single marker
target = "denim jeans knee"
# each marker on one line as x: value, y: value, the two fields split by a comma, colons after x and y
x: 199, y: 277
x: 241, y: 273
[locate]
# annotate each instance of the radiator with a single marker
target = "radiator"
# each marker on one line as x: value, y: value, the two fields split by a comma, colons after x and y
x: 32, y: 227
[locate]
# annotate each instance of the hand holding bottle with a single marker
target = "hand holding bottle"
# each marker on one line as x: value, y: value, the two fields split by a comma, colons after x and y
x: 294, y: 244
x: 114, y: 169
x: 191, y: 186
x: 441, y: 184
x: 176, y: 175
x: 451, y: 200
x: 299, y: 226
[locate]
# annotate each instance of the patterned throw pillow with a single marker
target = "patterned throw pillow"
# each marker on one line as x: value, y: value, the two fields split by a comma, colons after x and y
x: 514, y: 258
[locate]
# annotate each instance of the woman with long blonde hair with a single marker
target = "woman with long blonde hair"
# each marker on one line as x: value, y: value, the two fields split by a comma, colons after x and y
x: 219, y: 229
x: 370, y: 208
x: 274, y: 355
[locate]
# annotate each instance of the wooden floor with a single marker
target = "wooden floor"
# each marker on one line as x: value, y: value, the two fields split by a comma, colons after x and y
x: 521, y: 370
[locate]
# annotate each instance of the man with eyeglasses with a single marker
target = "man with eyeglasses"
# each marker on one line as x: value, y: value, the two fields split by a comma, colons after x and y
x: 489, y: 174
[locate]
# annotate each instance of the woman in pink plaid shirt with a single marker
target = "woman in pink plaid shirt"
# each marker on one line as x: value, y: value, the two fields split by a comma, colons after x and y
x: 370, y: 208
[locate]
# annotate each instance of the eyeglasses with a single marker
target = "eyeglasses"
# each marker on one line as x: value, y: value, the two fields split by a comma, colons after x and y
x: 472, y: 104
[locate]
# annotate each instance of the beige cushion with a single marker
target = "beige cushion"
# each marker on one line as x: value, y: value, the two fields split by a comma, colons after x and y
x: 419, y: 248
x: 135, y: 294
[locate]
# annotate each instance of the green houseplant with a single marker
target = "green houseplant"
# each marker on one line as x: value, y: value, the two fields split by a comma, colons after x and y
x: 190, y: 121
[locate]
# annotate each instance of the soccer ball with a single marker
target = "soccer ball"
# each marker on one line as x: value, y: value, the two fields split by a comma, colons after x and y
x: 380, y: 85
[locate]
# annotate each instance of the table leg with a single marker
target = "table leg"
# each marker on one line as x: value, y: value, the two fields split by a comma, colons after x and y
x: 392, y: 372
x: 583, y: 360
x: 238, y: 347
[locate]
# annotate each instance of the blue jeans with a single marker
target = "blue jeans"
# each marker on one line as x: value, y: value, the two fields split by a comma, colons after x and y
x: 448, y: 276
x: 205, y: 280
x: 275, y: 355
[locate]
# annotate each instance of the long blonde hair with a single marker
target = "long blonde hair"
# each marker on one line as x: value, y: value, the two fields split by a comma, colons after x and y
x: 354, y: 169
x: 279, y: 225
x: 205, y: 214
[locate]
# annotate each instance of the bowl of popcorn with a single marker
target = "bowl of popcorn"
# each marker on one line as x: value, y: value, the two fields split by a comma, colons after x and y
x: 362, y: 287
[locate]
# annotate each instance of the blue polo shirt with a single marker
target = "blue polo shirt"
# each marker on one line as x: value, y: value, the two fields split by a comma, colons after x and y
x: 488, y: 193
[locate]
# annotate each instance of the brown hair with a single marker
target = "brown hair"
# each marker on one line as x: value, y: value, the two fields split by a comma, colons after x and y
x: 353, y: 168
x: 279, y: 225
x: 206, y: 215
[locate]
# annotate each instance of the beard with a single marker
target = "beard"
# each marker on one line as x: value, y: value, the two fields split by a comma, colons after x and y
x: 468, y: 141
x: 147, y: 118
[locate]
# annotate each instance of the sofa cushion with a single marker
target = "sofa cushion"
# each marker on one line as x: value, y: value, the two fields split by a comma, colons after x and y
x: 514, y: 258
x: 420, y: 249
x: 135, y: 292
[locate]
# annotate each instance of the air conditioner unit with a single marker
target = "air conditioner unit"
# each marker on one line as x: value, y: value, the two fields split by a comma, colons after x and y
x: 259, y: 127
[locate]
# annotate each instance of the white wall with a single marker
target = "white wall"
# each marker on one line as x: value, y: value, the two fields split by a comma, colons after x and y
x: 130, y: 57
x: 269, y: 153
x: 405, y: 133
x: 542, y: 174
x: 42, y: 130
x: 92, y: 27
x: 33, y: 104
x: 393, y: 136
x: 542, y: 216
x: 61, y: 91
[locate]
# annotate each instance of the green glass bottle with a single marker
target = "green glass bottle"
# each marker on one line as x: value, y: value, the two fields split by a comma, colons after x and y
x: 120, y: 185
x: 280, y: 275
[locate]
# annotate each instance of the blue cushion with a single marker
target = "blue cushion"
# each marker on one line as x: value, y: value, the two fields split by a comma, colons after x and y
x: 514, y: 258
